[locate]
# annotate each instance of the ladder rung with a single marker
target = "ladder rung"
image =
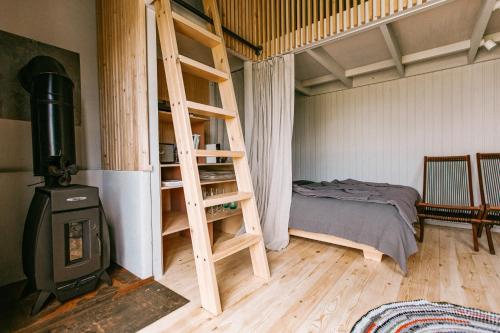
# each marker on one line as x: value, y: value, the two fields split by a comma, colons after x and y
x: 225, y: 198
x: 209, y: 110
x: 233, y: 245
x: 220, y: 153
x: 194, y: 31
x: 201, y: 70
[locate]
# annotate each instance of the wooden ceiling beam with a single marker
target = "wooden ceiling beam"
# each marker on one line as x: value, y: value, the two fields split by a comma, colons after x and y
x: 300, y: 88
x: 318, y: 80
x: 436, y: 52
x: 393, y: 46
x: 325, y: 60
x: 371, y: 68
x: 483, y: 18
x: 411, y: 58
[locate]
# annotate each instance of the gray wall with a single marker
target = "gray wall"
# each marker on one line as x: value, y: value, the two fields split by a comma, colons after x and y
x: 69, y: 25
x: 381, y: 132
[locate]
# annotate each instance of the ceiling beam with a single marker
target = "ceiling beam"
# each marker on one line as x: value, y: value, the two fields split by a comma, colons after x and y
x: 318, y: 80
x: 393, y: 46
x: 371, y: 68
x: 411, y: 58
x: 479, y: 28
x: 322, y: 57
x: 300, y: 88
x: 436, y: 52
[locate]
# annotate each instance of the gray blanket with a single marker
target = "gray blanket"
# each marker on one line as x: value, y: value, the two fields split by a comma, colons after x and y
x: 379, y: 215
x: 401, y: 197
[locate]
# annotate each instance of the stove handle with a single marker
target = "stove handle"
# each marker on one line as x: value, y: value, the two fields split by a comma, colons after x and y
x: 100, y: 244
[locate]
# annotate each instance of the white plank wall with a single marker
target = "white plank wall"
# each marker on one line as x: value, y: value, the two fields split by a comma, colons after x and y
x: 382, y: 132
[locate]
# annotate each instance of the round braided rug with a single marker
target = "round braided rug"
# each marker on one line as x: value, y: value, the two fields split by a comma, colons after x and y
x: 423, y: 316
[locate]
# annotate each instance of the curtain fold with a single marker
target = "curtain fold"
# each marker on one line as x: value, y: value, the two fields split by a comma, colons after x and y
x: 270, y: 153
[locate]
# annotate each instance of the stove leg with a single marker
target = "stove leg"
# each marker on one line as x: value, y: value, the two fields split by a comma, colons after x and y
x: 27, y: 289
x: 40, y: 301
x: 105, y: 278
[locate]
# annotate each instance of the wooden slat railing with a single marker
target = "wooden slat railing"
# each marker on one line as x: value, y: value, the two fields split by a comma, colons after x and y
x: 280, y: 26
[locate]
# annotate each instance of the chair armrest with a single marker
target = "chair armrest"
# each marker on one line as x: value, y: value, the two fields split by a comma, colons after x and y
x: 492, y: 208
x: 429, y: 205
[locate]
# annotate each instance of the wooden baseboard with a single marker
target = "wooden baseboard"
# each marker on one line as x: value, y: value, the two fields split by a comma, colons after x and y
x: 368, y: 252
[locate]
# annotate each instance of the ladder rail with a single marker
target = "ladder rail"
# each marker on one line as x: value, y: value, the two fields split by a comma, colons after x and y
x: 251, y: 217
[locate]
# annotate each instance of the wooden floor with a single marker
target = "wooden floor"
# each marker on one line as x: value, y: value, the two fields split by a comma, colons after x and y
x: 316, y: 287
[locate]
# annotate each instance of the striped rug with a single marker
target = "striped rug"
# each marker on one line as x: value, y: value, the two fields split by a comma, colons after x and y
x: 423, y: 316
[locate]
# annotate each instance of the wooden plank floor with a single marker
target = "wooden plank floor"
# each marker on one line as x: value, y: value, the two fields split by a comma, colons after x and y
x: 317, y: 287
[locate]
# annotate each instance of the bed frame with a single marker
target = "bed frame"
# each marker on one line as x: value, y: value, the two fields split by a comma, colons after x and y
x: 368, y: 252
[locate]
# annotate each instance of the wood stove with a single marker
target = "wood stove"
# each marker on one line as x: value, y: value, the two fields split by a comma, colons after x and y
x: 66, y: 241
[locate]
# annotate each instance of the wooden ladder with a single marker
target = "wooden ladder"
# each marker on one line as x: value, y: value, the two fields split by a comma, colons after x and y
x: 168, y: 23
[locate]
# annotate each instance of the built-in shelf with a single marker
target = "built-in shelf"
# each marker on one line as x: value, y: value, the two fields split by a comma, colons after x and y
x: 176, y: 165
x: 203, y: 182
x: 212, y: 182
x: 174, y: 221
x: 178, y: 221
x: 167, y: 116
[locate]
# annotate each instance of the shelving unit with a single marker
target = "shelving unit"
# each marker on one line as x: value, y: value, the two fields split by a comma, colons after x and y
x: 173, y: 216
x: 175, y: 165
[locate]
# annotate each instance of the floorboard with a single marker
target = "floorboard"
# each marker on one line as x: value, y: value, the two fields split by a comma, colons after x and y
x: 317, y: 287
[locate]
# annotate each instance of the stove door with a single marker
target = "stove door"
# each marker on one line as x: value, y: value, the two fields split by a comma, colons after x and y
x: 76, y: 244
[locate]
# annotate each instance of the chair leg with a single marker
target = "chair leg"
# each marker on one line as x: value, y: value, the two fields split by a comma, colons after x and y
x: 480, y: 230
x: 474, y: 237
x: 421, y: 222
x: 490, y: 239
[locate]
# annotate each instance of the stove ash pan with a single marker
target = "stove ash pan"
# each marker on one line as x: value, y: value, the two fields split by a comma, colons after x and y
x: 66, y: 243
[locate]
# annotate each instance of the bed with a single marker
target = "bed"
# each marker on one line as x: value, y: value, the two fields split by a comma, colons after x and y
x: 376, y: 218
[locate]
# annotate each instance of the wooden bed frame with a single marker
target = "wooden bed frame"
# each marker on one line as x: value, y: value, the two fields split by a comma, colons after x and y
x: 368, y: 252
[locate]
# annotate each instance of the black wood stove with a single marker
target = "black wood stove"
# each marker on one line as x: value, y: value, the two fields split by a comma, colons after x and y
x: 66, y: 242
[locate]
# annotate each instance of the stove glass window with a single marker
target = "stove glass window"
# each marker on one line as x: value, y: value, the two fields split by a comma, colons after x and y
x: 74, y: 241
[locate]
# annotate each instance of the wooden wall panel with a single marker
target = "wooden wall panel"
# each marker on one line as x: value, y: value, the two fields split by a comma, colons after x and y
x: 382, y: 132
x: 123, y: 84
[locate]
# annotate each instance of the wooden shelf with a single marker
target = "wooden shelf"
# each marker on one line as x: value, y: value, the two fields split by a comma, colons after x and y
x: 176, y: 165
x: 212, y: 182
x: 178, y: 221
x: 203, y: 182
x: 223, y: 215
x: 174, y: 222
x: 167, y: 116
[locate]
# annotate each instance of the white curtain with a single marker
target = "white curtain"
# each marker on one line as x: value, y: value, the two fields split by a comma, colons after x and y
x: 270, y: 149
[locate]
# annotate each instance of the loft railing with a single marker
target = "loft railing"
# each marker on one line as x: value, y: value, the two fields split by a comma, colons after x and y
x: 280, y: 26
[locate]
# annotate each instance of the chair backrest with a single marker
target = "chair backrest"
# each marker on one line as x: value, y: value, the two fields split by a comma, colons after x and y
x: 488, y: 168
x: 448, y: 181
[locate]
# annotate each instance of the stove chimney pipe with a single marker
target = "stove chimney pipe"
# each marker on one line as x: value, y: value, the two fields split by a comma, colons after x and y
x: 52, y: 119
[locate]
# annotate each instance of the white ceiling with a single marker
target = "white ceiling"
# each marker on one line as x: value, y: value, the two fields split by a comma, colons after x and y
x: 359, y: 50
x: 437, y: 27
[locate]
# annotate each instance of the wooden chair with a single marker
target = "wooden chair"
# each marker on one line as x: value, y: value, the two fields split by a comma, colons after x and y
x: 447, y: 193
x: 488, y: 168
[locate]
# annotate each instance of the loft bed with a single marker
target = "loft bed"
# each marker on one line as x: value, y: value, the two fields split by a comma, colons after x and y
x: 373, y: 217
